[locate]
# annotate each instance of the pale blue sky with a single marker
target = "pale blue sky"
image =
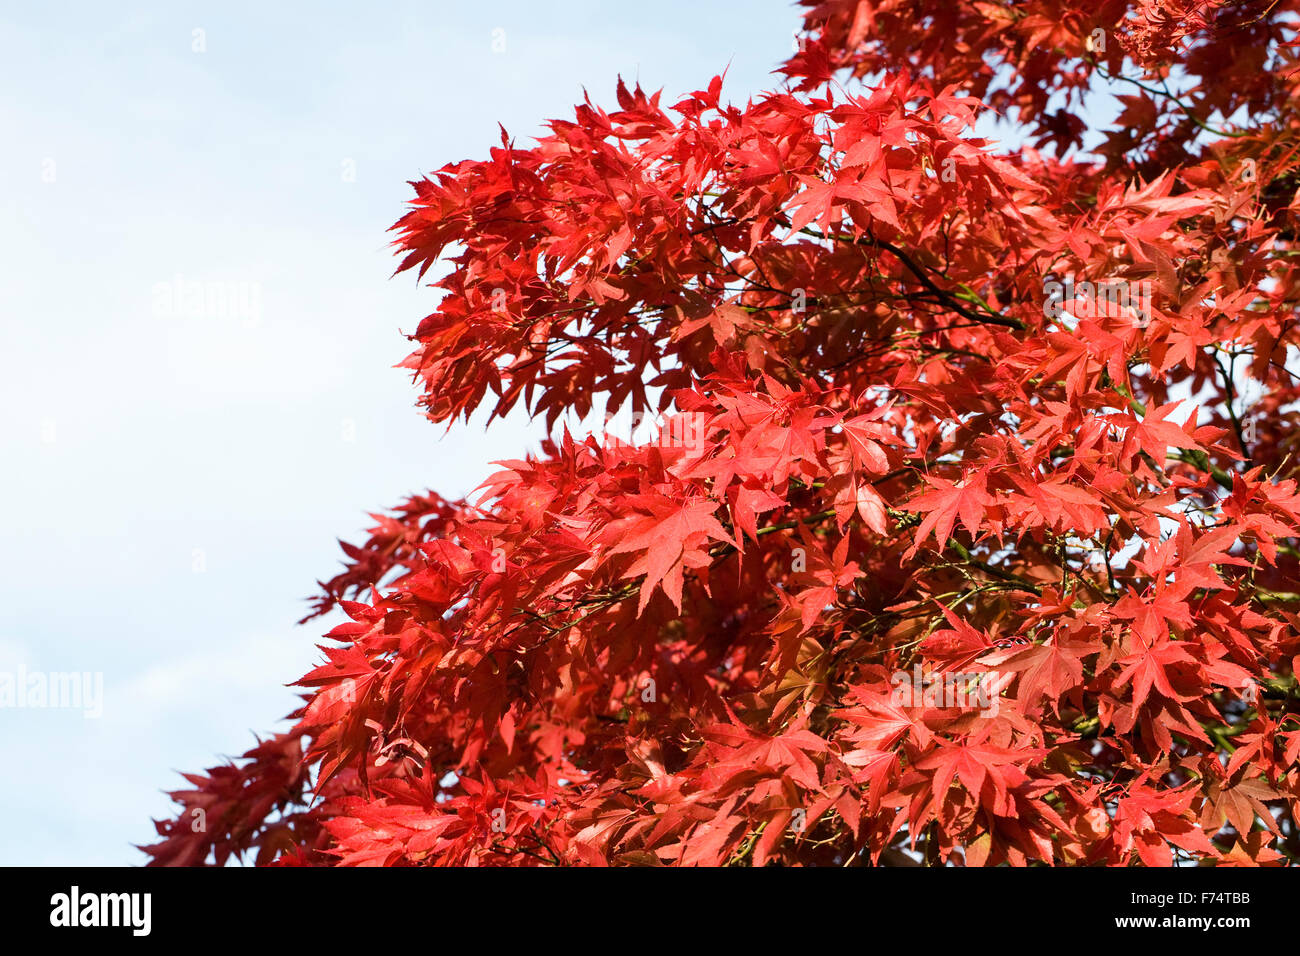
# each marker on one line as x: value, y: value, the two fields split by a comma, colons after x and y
x: 132, y: 437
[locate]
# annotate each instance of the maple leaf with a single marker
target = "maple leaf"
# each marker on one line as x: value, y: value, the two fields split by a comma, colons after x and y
x: 946, y: 502
x: 972, y: 764
x: 671, y: 537
x: 1153, y: 433
x: 1050, y: 669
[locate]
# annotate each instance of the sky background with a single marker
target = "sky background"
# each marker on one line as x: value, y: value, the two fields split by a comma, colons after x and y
x: 174, y: 479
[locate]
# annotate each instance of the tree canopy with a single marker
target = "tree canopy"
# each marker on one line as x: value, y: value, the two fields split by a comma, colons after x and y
x: 963, y: 528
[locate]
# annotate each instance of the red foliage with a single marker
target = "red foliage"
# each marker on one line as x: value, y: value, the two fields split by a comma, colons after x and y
x: 935, y: 553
